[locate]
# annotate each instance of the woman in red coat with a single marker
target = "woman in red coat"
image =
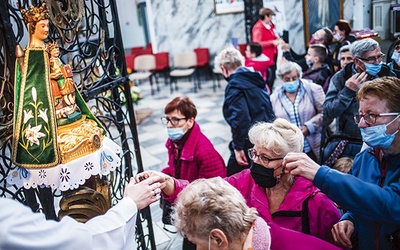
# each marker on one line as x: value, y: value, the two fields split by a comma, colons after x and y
x: 263, y: 32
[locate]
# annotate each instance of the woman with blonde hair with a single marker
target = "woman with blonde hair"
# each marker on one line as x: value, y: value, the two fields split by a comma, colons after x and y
x: 288, y: 201
x: 214, y: 215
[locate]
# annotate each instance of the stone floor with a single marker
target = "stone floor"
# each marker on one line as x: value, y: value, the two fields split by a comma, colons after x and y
x: 152, y: 136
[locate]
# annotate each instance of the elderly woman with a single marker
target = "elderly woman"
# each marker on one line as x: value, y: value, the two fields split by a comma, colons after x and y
x: 214, y: 215
x: 191, y: 155
x: 301, y: 103
x: 371, y: 194
x: 291, y: 202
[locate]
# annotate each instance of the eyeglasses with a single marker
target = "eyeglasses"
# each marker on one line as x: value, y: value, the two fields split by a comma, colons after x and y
x: 370, y: 119
x: 372, y: 59
x: 174, y: 121
x: 397, y: 47
x: 264, y: 160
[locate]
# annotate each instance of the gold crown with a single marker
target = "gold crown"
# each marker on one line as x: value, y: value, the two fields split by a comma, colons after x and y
x: 34, y: 14
x: 51, y: 46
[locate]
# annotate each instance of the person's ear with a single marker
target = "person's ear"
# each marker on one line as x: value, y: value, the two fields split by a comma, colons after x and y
x: 219, y: 239
x: 190, y: 122
x: 224, y: 71
x: 359, y: 65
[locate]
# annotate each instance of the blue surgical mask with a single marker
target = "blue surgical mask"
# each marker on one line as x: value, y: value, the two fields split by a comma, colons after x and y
x: 175, y: 133
x: 396, y: 57
x: 291, y: 87
x: 373, y: 69
x: 376, y: 137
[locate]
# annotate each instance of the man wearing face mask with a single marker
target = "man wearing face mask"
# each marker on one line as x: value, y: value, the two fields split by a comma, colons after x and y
x: 190, y: 153
x: 371, y: 194
x: 290, y: 202
x: 395, y: 63
x: 246, y: 102
x: 322, y: 36
x: 340, y: 102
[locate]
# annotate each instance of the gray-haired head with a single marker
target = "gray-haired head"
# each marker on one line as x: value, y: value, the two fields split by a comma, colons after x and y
x: 345, y: 48
x: 360, y: 47
x: 287, y: 68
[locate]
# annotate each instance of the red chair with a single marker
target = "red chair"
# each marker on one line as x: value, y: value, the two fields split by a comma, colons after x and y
x: 162, y: 65
x: 203, y: 62
x: 242, y: 49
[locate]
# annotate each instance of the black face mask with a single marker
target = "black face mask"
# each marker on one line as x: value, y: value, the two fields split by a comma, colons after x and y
x: 226, y: 78
x: 264, y: 177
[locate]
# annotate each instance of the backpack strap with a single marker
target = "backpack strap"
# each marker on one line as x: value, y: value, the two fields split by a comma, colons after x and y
x: 305, y: 221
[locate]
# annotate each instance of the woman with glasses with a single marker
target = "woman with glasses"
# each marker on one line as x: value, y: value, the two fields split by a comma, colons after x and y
x: 214, y: 215
x: 191, y: 155
x: 371, y: 194
x: 291, y: 202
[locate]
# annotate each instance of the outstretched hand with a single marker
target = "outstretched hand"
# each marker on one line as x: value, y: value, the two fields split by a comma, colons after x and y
x: 145, y: 192
x: 167, y: 183
x: 300, y: 164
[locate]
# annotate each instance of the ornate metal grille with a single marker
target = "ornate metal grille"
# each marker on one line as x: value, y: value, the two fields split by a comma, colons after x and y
x: 251, y: 8
x: 89, y: 36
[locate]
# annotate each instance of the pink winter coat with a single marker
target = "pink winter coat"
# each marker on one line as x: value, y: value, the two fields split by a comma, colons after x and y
x: 199, y: 159
x: 322, y: 212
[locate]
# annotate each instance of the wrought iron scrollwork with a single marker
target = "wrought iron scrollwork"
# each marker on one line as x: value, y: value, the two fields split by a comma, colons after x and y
x: 89, y: 37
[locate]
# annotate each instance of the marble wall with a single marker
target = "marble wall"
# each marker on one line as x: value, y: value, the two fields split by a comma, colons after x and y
x: 182, y: 25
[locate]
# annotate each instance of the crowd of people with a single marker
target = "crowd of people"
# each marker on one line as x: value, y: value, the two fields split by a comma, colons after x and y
x: 281, y: 175
x: 282, y: 187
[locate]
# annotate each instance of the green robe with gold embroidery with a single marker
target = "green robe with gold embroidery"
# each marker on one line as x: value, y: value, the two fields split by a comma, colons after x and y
x: 35, y: 126
x: 35, y: 132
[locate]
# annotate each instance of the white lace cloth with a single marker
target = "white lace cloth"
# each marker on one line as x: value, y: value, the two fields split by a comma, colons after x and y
x: 72, y: 174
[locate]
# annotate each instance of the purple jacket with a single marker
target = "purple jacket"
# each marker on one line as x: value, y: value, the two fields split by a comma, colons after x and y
x: 321, y: 211
x: 199, y: 159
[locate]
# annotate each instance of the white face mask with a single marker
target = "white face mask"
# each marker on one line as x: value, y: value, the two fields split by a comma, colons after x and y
x: 396, y: 57
x: 337, y: 36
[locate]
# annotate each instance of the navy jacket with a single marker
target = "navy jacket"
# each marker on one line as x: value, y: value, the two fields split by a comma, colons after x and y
x: 246, y: 102
x: 374, y: 208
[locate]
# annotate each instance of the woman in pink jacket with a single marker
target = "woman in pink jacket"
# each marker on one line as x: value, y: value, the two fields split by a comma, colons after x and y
x: 290, y: 202
x: 191, y: 155
x: 214, y: 215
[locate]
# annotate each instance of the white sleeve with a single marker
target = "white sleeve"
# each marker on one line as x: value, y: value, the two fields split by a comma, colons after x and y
x: 116, y: 228
x: 22, y: 229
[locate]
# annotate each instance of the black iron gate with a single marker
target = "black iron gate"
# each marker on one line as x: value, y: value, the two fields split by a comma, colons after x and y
x: 89, y: 36
x: 251, y: 9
